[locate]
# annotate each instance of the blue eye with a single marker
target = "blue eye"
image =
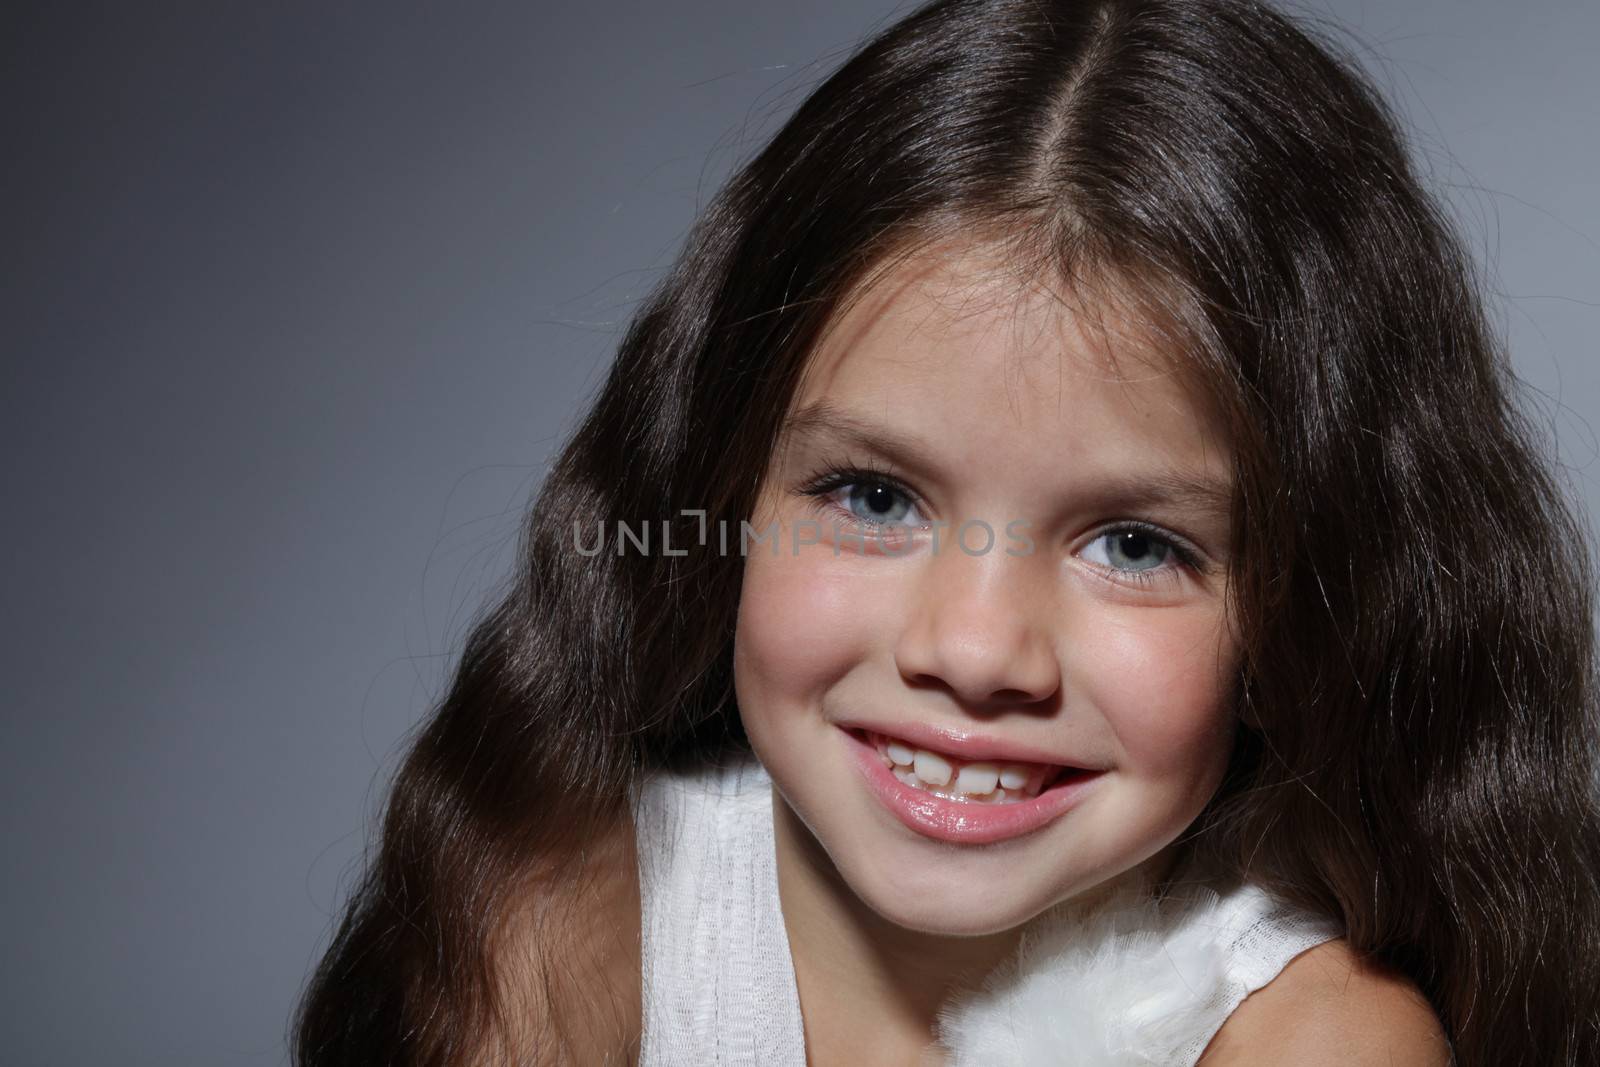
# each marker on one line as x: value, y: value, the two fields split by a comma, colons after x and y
x: 1139, y: 552
x: 878, y: 503
x: 867, y: 496
x: 1136, y: 550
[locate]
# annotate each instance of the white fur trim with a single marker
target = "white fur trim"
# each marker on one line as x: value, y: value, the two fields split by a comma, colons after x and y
x: 1132, y: 983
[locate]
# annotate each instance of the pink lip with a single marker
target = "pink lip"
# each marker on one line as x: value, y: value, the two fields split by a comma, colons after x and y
x: 964, y: 823
x: 965, y: 745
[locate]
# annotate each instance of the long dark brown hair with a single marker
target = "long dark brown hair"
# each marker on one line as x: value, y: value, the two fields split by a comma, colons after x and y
x: 1417, y: 748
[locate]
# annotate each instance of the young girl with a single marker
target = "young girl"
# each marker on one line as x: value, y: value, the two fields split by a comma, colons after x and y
x: 1054, y: 575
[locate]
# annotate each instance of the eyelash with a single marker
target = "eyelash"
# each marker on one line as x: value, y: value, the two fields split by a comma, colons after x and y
x: 833, y: 477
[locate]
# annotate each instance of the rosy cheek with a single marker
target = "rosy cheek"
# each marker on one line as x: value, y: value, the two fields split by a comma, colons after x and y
x: 1163, y: 692
x: 804, y: 621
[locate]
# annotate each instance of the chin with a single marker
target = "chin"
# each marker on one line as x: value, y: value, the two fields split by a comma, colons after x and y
x: 946, y: 902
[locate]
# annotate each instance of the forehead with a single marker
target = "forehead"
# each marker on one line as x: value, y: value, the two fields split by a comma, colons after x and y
x: 954, y: 341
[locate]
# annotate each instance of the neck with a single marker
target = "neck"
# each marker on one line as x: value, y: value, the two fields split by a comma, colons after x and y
x: 870, y: 991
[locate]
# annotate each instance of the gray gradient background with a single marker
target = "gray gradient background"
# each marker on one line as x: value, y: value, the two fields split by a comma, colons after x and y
x: 298, y: 301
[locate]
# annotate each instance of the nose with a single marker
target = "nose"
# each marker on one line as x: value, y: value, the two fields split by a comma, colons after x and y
x: 981, y: 626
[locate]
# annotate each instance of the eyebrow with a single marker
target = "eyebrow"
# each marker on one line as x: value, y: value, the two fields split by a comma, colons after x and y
x: 821, y: 419
x: 1161, y: 487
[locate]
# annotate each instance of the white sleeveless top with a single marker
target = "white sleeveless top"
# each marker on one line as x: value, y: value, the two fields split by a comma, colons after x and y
x: 1128, y: 984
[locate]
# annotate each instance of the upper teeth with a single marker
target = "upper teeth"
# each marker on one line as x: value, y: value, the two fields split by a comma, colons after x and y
x: 979, y: 778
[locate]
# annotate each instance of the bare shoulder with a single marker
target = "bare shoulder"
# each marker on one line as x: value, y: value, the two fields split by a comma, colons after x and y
x: 1330, y: 1006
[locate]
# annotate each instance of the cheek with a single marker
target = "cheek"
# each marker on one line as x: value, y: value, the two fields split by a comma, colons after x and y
x: 801, y: 626
x: 1164, y: 687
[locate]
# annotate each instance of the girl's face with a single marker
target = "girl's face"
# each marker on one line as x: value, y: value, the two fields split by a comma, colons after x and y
x: 919, y: 688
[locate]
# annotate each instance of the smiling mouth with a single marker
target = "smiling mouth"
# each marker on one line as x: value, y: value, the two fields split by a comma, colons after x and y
x: 987, y: 782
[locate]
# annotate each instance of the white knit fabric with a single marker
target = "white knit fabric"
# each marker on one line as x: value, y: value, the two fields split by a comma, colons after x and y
x: 1131, y: 982
x: 718, y: 980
